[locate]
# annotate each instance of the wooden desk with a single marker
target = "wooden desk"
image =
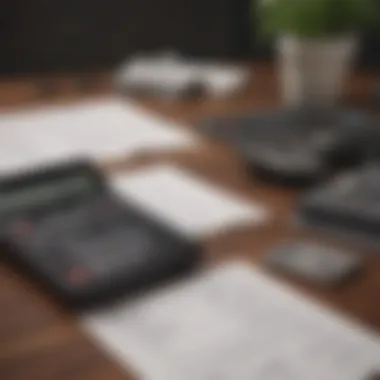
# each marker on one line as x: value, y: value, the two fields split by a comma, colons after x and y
x: 40, y: 341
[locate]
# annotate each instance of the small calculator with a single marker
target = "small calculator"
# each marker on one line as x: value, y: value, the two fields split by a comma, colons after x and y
x: 322, y: 264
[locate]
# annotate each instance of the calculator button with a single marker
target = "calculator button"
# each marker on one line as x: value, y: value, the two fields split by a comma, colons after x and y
x: 79, y: 276
x: 21, y: 229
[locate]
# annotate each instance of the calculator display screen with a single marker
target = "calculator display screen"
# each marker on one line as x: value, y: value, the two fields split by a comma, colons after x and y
x: 44, y: 193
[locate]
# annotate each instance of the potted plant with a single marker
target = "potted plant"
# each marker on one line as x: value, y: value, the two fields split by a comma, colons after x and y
x: 316, y: 44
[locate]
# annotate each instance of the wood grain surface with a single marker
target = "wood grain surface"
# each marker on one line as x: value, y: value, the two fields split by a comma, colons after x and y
x: 40, y: 340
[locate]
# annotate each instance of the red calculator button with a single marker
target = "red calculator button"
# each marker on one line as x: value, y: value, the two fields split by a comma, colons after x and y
x: 79, y: 276
x: 21, y: 229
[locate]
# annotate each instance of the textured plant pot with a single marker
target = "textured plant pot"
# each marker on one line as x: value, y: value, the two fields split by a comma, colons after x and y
x: 314, y: 71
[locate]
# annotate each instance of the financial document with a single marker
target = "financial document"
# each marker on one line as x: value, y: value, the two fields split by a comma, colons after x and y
x: 102, y: 129
x: 233, y: 322
x: 187, y: 202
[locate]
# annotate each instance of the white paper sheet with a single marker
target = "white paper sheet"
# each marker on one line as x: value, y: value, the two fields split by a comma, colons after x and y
x: 233, y: 323
x: 102, y: 129
x: 171, y: 73
x: 185, y: 201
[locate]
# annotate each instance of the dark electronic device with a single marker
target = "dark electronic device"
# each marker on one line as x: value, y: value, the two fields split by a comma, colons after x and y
x: 348, y: 205
x: 66, y: 227
x: 298, y: 146
x: 318, y: 263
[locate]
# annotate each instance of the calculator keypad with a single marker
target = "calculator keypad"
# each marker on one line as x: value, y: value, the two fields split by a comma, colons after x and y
x: 99, y: 236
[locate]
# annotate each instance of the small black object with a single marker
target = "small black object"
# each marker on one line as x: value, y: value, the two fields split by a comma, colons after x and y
x: 68, y: 229
x: 296, y: 147
x: 318, y: 263
x: 348, y: 204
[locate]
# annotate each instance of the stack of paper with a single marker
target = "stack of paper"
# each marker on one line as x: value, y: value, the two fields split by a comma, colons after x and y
x: 234, y: 323
x: 170, y: 75
x: 185, y: 201
x: 103, y: 129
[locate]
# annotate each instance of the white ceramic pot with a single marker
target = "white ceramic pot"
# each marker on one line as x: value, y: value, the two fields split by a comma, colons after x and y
x: 313, y: 71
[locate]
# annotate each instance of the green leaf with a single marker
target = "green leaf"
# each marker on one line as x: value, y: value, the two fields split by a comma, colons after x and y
x: 315, y: 18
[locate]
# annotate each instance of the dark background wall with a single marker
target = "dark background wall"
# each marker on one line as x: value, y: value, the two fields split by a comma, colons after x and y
x: 40, y: 35
x: 75, y: 35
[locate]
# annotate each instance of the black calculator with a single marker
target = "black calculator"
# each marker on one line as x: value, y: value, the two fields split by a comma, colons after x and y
x: 349, y: 205
x: 70, y: 230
